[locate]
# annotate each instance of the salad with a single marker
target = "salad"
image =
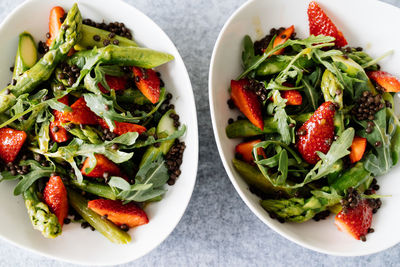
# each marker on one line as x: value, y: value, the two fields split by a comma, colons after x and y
x: 87, y: 129
x: 319, y: 126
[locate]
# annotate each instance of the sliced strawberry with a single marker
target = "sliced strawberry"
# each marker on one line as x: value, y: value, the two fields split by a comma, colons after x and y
x: 128, y: 214
x: 386, y: 80
x: 355, y: 221
x: 148, y: 83
x: 116, y: 83
x: 11, y: 142
x: 246, y: 150
x: 124, y: 127
x: 56, y: 13
x: 247, y: 102
x: 282, y: 38
x: 293, y: 97
x: 317, y: 133
x: 357, y: 149
x: 57, y: 132
x: 103, y: 165
x: 55, y: 196
x: 320, y: 23
x: 80, y: 113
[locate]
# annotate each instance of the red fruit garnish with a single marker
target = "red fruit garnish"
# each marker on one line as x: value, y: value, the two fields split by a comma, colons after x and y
x: 55, y: 196
x: 357, y: 149
x: 80, y: 113
x: 386, y: 80
x: 246, y: 150
x: 128, y: 214
x: 57, y: 132
x: 293, y: 97
x: 247, y: 102
x: 103, y: 165
x: 123, y: 127
x: 116, y: 83
x: 317, y: 133
x: 56, y: 13
x: 148, y: 83
x: 355, y: 221
x: 320, y: 23
x: 282, y: 38
x: 11, y: 142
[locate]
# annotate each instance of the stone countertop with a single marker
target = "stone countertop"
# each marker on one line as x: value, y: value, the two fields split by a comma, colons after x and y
x: 217, y: 228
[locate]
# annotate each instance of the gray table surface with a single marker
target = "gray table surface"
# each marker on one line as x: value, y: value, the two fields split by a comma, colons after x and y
x: 217, y: 228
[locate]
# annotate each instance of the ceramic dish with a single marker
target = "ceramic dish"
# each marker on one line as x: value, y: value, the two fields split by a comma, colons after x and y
x: 84, y: 246
x: 363, y: 23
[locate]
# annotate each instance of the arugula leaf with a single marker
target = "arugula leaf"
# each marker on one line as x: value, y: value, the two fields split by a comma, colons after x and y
x: 380, y: 160
x: 338, y: 150
x: 310, y: 83
x: 311, y: 41
x: 287, y: 133
x: 151, y: 140
x: 325, y: 166
x: 248, y: 54
x: 36, y: 172
x: 149, y: 181
x: 98, y: 104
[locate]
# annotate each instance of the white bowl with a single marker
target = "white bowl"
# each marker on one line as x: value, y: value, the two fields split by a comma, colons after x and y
x: 366, y: 23
x: 75, y: 244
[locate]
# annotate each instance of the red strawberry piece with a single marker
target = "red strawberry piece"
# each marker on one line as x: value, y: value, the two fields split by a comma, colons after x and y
x: 317, y: 133
x: 11, y: 142
x: 57, y: 132
x: 282, y: 38
x: 355, y: 221
x: 124, y: 127
x: 320, y: 23
x: 80, y: 113
x: 116, y: 83
x: 247, y: 102
x: 293, y: 97
x: 148, y: 83
x: 103, y: 165
x: 245, y: 150
x: 386, y: 80
x: 55, y: 196
x: 128, y: 214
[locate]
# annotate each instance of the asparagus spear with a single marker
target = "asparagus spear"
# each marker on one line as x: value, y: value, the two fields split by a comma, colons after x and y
x: 166, y: 126
x: 253, y: 177
x: 26, y: 54
x: 87, y: 40
x: 244, y: 128
x: 301, y: 210
x: 105, y: 227
x: 276, y: 64
x: 123, y: 56
x: 41, y: 217
x: 67, y: 37
x: 101, y: 190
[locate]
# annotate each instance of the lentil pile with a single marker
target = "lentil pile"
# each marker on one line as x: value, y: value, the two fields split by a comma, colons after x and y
x: 174, y: 161
x: 116, y: 28
x: 69, y: 73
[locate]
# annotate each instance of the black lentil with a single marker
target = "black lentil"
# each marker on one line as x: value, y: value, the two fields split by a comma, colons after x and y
x: 116, y: 28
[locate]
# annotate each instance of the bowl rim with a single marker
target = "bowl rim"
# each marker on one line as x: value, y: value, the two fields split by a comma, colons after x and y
x: 241, y: 192
x: 194, y: 161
